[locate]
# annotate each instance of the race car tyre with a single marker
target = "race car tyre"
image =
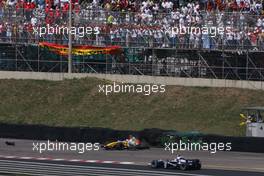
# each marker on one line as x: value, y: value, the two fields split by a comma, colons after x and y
x: 154, y: 164
x: 143, y: 145
x: 183, y: 166
x: 198, y: 166
x: 106, y: 148
x: 132, y: 148
x: 119, y: 146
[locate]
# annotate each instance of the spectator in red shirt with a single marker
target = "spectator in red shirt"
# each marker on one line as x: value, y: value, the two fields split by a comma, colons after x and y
x: 32, y: 5
x: 50, y: 16
x: 77, y: 8
x: 28, y: 10
x: 47, y: 8
x: 1, y: 31
x: 234, y: 6
x: 65, y: 8
x: 57, y: 12
x: 27, y: 5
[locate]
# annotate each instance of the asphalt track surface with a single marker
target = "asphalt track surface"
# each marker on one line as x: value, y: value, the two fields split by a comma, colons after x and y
x: 45, y: 168
x: 219, y: 164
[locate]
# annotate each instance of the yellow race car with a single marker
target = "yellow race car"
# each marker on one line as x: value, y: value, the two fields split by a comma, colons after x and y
x: 128, y: 144
x: 116, y: 145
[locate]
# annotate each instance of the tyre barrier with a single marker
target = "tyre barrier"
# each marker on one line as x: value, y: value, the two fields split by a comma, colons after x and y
x: 66, y: 134
x: 153, y: 137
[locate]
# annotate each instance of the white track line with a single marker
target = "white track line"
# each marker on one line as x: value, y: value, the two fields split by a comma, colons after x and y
x: 70, y: 160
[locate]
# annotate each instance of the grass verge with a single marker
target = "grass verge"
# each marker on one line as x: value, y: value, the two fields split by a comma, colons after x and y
x: 78, y: 103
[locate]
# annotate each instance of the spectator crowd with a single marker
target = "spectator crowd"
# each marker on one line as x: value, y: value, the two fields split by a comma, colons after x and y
x: 147, y: 23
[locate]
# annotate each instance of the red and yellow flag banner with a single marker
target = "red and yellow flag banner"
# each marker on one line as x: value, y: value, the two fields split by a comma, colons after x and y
x: 80, y: 50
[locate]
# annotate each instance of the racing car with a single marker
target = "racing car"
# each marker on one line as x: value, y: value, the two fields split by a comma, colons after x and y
x: 178, y: 163
x: 128, y: 144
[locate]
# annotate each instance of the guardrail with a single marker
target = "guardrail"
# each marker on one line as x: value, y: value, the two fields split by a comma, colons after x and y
x: 167, y: 69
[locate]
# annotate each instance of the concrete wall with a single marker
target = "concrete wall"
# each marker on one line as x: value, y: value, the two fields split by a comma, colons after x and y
x: 255, y: 130
x: 198, y: 82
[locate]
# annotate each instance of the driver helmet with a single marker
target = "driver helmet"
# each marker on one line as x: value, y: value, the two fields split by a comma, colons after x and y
x: 179, y: 157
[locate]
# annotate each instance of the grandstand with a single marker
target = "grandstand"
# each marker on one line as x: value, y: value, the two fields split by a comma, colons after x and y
x: 153, y: 36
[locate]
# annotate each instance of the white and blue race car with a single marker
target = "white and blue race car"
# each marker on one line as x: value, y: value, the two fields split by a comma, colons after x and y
x: 177, y: 163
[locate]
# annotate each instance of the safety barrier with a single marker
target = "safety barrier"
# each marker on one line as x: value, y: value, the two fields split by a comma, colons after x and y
x: 101, y: 135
